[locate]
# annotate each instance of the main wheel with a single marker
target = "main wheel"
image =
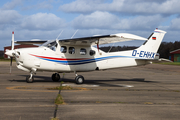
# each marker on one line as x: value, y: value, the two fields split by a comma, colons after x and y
x: 79, y: 79
x: 55, y: 77
x: 28, y: 80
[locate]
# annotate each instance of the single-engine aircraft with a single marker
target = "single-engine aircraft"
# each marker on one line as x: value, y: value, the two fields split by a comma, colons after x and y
x: 79, y: 55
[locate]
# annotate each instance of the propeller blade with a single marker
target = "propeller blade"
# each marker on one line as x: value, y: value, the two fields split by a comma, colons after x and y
x: 12, y: 42
x: 11, y: 64
x: 10, y: 52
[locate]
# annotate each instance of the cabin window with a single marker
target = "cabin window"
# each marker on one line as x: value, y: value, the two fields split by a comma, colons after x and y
x: 82, y: 51
x: 92, y: 52
x: 63, y: 49
x: 71, y: 50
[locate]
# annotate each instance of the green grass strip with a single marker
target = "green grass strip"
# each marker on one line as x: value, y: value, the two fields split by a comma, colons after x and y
x: 169, y: 63
x: 59, y: 100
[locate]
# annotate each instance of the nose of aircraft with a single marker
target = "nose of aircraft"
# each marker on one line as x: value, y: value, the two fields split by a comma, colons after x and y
x: 10, y: 52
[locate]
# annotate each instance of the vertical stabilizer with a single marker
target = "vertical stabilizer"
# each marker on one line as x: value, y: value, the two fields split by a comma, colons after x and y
x: 149, y: 49
x: 154, y: 41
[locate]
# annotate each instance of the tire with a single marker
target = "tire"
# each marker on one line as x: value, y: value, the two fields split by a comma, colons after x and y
x: 55, y: 77
x: 28, y: 80
x: 79, y: 79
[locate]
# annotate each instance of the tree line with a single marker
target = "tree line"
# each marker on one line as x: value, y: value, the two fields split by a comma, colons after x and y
x: 164, y: 49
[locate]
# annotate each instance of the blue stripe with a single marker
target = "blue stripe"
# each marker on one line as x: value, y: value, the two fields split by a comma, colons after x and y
x: 79, y: 62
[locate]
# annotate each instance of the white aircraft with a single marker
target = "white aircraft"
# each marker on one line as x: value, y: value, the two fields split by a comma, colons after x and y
x: 78, y: 54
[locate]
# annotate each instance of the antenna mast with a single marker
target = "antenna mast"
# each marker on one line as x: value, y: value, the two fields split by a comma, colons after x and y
x: 74, y: 33
x: 59, y: 34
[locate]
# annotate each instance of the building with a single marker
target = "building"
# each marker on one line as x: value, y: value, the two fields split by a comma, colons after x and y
x: 175, y: 55
x: 16, y: 47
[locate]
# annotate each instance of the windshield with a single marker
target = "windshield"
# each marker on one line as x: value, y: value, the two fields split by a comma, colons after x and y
x: 50, y: 44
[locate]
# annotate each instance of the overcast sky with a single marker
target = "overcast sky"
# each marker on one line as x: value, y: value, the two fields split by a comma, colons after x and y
x: 45, y: 19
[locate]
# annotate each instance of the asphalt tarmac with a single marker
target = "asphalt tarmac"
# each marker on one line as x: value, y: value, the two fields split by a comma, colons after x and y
x: 149, y: 92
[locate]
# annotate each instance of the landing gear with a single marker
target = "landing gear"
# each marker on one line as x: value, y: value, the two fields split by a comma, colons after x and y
x: 79, y: 79
x: 30, y: 78
x: 55, y: 77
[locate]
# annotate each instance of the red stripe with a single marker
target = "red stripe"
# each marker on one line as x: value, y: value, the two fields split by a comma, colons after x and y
x: 154, y: 38
x: 64, y: 59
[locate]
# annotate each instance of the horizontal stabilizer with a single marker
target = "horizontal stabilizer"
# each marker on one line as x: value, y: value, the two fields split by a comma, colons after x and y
x: 161, y: 60
x: 154, y: 60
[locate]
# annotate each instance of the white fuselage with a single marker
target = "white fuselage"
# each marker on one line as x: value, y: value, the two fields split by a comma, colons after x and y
x: 46, y: 59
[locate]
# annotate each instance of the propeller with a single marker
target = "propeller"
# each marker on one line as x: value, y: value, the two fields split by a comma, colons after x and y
x: 12, y: 48
x: 11, y: 54
x: 11, y: 64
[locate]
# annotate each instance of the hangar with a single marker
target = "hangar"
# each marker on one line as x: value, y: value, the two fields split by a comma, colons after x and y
x: 175, y: 55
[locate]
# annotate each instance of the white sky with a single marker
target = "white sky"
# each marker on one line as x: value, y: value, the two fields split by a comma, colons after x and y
x: 45, y: 19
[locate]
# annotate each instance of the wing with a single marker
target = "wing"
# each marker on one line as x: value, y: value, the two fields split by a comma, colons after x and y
x: 30, y: 42
x: 102, y: 39
x: 87, y: 41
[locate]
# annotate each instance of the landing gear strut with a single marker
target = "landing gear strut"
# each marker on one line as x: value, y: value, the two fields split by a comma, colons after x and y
x: 30, y: 78
x: 55, y: 77
x: 79, y: 79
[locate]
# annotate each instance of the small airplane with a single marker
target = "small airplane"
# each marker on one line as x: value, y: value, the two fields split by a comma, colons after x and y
x: 79, y: 55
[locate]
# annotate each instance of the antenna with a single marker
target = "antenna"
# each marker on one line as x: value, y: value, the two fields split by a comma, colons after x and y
x: 59, y: 34
x: 74, y: 33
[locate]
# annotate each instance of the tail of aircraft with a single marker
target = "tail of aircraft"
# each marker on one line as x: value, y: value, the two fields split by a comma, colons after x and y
x: 153, y: 42
x: 151, y: 46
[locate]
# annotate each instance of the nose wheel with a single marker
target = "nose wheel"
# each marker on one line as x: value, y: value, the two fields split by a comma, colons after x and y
x: 29, y: 79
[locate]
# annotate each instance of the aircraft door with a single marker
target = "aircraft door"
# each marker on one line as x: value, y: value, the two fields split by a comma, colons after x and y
x: 66, y: 54
x: 72, y: 51
x: 85, y: 59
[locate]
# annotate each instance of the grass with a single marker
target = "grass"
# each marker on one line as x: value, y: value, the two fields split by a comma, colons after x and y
x: 148, y: 103
x: 67, y: 88
x: 61, y: 88
x: 59, y: 100
x: 54, y: 119
x: 169, y: 63
x: 8, y: 60
x: 2, y: 59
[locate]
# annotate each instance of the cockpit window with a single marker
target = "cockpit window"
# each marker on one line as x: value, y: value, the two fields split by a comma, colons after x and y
x: 51, y: 44
x: 63, y: 49
x: 53, y: 47
x: 71, y: 50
